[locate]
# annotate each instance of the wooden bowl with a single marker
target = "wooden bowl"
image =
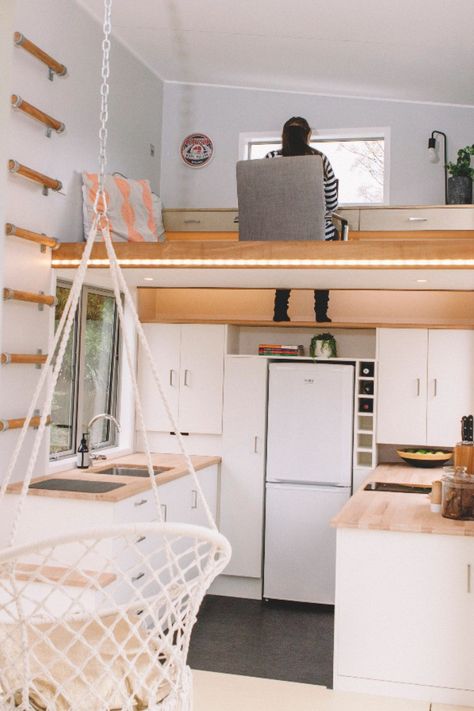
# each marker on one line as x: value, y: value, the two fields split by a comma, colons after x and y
x: 427, y: 461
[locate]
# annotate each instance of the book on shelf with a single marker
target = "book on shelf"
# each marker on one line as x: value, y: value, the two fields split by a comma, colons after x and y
x: 280, y: 349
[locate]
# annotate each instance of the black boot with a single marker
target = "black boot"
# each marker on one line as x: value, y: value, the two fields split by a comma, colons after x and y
x: 321, y: 300
x: 280, y: 312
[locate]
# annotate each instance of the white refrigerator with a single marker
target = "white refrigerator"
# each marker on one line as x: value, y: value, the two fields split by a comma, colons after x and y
x: 308, y: 476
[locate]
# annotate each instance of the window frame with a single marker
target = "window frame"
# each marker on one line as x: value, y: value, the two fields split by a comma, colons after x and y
x: 79, y: 364
x: 246, y: 139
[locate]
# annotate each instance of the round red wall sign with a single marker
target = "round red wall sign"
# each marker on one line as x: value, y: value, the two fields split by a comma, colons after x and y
x: 196, y: 150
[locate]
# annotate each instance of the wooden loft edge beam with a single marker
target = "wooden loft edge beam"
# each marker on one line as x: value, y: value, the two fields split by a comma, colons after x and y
x: 314, y: 325
x: 383, y: 254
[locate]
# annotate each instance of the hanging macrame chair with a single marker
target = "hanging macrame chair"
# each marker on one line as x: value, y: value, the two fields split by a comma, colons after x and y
x: 100, y: 620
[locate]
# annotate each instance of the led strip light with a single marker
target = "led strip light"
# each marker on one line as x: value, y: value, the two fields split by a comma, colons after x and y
x: 270, y: 262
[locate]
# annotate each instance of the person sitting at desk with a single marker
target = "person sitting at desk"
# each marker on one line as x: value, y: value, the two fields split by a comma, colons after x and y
x: 295, y: 142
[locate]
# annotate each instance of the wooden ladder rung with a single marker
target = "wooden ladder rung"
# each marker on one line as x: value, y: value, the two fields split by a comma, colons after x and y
x: 31, y: 174
x: 50, y: 122
x: 45, y: 240
x: 53, y: 65
x: 43, y: 299
x: 23, y: 358
x: 17, y: 423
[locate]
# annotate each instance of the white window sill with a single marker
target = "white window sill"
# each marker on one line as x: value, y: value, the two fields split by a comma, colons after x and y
x: 62, y: 465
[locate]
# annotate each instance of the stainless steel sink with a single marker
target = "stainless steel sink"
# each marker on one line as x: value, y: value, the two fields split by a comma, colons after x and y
x: 398, y: 488
x: 130, y: 471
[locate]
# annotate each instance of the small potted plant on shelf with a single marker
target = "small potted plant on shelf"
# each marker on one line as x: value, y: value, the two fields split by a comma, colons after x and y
x: 323, y: 346
x: 462, y: 174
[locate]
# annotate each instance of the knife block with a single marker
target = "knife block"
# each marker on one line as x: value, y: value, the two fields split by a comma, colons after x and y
x: 464, y: 457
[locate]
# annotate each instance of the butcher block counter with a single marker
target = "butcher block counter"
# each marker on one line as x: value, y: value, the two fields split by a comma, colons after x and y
x: 389, y: 511
x: 404, y: 610
x: 174, y: 463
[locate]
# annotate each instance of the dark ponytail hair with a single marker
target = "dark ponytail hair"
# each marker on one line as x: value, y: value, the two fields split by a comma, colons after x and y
x: 295, y: 137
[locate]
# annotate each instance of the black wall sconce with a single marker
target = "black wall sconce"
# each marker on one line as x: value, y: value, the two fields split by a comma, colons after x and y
x: 434, y: 158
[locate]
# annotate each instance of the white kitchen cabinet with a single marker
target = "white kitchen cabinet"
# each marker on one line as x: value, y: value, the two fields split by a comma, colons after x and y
x: 190, y: 361
x: 425, y: 385
x: 405, y: 614
x: 243, y: 462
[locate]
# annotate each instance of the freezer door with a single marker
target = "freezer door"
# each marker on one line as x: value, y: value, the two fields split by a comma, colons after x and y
x: 300, y: 544
x: 310, y: 423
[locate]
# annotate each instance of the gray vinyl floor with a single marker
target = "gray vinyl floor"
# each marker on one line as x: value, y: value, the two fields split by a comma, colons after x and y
x: 273, y: 640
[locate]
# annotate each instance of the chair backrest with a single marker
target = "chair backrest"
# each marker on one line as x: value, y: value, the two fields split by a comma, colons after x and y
x: 281, y: 198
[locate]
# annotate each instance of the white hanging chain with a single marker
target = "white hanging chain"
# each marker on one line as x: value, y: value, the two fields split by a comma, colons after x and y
x: 104, y: 108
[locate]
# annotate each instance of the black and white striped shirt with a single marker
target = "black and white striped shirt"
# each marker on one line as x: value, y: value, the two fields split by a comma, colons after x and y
x: 330, y: 189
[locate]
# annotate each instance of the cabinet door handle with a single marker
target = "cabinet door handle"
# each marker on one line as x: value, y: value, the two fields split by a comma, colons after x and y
x: 418, y: 387
x: 469, y: 577
x: 140, y: 539
x: 194, y: 499
x: 138, y: 577
x: 141, y: 502
x: 164, y: 512
x: 255, y: 444
x: 172, y: 378
x: 435, y: 387
x: 187, y: 377
x: 417, y: 219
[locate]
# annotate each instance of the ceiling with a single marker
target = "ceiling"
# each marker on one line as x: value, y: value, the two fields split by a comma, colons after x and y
x: 419, y: 50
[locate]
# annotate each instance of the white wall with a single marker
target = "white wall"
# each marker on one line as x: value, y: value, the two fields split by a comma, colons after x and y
x: 223, y: 113
x: 6, y: 25
x: 70, y: 34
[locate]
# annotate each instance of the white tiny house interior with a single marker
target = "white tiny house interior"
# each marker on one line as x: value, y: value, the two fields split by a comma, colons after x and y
x: 235, y: 74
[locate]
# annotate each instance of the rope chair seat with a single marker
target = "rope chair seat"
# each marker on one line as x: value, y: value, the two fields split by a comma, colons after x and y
x: 123, y: 653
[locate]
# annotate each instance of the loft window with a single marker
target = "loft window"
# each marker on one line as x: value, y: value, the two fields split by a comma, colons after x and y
x: 88, y: 379
x: 359, y: 158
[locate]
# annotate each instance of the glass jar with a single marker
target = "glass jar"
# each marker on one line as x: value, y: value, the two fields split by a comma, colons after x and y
x: 457, y: 494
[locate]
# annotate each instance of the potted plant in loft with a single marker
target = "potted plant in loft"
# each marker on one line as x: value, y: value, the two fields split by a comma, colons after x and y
x: 462, y: 174
x: 323, y: 346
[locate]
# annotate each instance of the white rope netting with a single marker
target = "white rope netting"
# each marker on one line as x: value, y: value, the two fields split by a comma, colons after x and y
x: 100, y: 620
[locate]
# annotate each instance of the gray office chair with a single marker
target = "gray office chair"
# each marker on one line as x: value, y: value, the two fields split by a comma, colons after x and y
x: 282, y: 199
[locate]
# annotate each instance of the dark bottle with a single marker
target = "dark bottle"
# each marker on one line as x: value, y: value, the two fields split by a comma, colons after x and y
x: 367, y: 369
x: 366, y: 405
x: 83, y: 458
x: 367, y: 387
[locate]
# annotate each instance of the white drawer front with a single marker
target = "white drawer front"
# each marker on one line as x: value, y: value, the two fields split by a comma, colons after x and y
x: 200, y: 220
x: 418, y: 218
x: 137, y: 509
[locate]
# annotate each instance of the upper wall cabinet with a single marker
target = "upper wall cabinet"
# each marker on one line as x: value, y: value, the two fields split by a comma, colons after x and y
x: 190, y: 362
x: 425, y: 385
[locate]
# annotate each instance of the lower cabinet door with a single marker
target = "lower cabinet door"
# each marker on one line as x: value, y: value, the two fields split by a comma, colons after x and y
x: 405, y: 608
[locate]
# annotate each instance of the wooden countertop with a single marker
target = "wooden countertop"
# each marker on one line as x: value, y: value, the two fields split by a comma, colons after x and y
x: 133, y: 485
x: 386, y: 511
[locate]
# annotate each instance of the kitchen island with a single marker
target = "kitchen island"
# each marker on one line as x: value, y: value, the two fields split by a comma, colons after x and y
x: 404, y: 623
x: 52, y: 511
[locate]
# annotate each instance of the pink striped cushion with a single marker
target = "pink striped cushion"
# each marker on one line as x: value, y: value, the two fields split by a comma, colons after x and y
x: 131, y: 207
